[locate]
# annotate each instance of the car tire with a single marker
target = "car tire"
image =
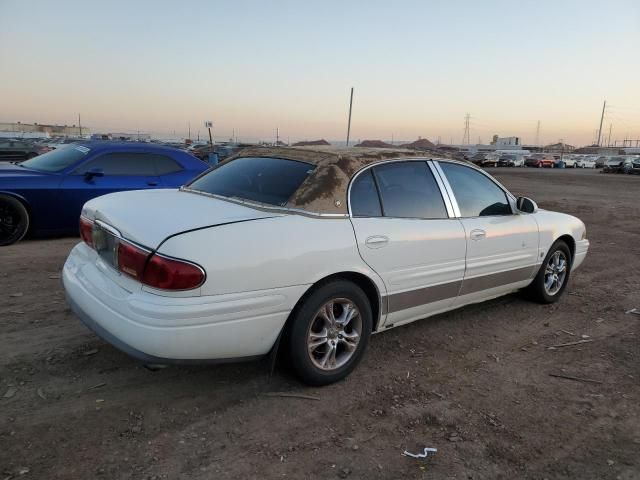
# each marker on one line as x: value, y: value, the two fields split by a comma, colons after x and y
x: 543, y: 289
x: 14, y: 220
x: 317, y: 321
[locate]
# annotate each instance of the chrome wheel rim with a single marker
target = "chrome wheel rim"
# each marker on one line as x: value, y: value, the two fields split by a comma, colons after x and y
x: 555, y: 273
x: 334, y: 334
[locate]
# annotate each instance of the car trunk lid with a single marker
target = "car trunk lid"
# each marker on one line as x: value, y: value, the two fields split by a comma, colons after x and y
x: 148, y: 217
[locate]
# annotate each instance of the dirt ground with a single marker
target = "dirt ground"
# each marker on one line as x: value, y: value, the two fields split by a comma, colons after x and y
x: 474, y: 383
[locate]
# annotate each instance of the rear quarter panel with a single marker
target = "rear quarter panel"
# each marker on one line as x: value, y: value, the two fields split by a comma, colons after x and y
x: 270, y: 253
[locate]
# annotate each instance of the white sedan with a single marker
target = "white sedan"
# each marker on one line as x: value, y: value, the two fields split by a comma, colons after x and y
x: 318, y: 249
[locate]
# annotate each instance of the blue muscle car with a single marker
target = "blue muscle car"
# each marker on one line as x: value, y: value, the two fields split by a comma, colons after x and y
x: 44, y: 195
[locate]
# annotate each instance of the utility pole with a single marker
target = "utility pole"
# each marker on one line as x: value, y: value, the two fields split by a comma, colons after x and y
x: 189, y: 137
x: 538, y: 134
x: 208, y: 124
x: 465, y: 137
x: 277, y: 136
x: 349, y: 123
x: 392, y: 139
x: 79, y: 125
x: 609, y: 139
x: 604, y: 106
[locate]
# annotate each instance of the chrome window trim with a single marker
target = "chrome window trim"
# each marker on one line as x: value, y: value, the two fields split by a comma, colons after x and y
x: 426, y: 160
x: 448, y: 189
x: 511, y: 199
x: 447, y: 198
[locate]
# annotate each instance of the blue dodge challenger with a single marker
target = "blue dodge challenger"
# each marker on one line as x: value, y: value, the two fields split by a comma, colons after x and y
x: 44, y: 195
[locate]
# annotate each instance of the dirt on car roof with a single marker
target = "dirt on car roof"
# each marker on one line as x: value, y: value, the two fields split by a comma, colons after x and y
x: 325, y: 189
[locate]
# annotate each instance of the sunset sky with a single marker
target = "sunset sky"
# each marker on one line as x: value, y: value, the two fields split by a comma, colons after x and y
x: 417, y: 67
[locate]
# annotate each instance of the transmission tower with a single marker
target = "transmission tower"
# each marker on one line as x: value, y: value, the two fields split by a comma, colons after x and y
x: 466, y: 138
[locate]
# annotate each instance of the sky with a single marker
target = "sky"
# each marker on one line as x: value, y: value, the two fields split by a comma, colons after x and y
x: 251, y: 66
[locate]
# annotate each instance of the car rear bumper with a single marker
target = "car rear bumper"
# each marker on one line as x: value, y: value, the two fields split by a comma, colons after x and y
x: 159, y: 330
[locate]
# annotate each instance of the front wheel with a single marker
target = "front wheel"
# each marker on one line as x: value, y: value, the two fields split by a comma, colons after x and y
x: 329, y: 333
x: 552, y: 278
x: 14, y: 220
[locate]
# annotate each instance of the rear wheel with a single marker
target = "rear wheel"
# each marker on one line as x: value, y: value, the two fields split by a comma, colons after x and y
x: 329, y: 333
x: 14, y: 220
x: 553, y: 275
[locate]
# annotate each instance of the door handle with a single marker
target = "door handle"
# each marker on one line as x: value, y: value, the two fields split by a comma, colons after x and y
x: 152, y: 184
x: 376, y: 241
x: 477, y: 234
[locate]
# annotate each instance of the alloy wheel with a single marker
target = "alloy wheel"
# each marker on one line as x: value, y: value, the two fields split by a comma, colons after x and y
x: 555, y: 273
x: 334, y: 334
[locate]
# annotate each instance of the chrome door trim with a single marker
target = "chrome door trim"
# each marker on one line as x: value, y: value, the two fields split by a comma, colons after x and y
x: 443, y: 191
x: 449, y: 190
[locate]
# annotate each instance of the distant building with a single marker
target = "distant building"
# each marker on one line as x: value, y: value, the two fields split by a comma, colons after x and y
x: 505, y: 141
x: 559, y: 147
x: 19, y: 129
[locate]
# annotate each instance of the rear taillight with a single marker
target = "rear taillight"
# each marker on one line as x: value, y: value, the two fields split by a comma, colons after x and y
x: 156, y: 270
x: 131, y: 260
x: 172, y: 274
x: 86, y: 231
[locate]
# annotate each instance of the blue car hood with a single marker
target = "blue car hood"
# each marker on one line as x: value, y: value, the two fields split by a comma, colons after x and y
x: 11, y: 170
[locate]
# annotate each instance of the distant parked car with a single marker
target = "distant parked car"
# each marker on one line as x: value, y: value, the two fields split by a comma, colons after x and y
x: 478, y: 158
x: 635, y: 166
x: 614, y: 164
x: 569, y: 161
x: 586, y: 161
x: 63, y: 142
x: 540, y: 161
x: 44, y: 195
x: 490, y: 160
x: 18, y: 150
x: 511, y: 161
x: 601, y: 161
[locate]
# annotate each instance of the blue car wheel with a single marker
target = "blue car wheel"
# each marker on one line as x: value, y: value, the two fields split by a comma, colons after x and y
x: 14, y: 220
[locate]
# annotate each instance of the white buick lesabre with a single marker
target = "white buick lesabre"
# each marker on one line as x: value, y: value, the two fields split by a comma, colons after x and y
x: 316, y: 248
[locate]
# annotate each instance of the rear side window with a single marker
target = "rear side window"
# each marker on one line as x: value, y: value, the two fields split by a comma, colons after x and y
x: 365, y: 201
x: 476, y: 194
x: 129, y: 164
x: 267, y: 180
x: 408, y: 190
x: 166, y: 165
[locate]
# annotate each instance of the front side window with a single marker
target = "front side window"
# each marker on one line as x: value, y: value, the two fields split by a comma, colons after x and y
x: 365, y: 201
x: 261, y: 179
x: 476, y: 194
x: 125, y: 164
x: 56, y: 160
x: 408, y: 190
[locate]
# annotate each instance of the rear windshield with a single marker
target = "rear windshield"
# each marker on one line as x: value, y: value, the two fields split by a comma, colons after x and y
x: 266, y: 180
x: 56, y: 160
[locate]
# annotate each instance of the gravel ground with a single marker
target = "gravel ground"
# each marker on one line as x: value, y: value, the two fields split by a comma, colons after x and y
x: 474, y: 383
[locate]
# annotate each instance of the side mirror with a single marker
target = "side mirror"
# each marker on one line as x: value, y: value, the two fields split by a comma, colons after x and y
x: 93, y: 172
x: 526, y: 205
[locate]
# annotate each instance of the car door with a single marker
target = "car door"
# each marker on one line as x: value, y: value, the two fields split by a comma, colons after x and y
x: 502, y: 245
x: 116, y: 171
x: 406, y: 233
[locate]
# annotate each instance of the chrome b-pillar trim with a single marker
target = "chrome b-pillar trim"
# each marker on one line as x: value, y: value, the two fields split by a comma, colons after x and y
x: 448, y: 189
